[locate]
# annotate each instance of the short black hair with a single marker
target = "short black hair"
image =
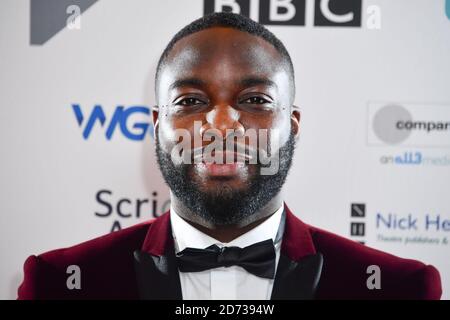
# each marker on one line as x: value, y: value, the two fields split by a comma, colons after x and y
x: 231, y: 20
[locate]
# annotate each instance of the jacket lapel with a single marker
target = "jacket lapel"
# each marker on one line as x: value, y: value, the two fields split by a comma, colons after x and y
x: 155, y: 265
x: 300, y: 266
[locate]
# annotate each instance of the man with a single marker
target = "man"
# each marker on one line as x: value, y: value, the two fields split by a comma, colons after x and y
x: 228, y: 234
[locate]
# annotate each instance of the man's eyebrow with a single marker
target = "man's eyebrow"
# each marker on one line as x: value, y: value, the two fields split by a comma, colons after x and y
x: 187, y: 82
x: 245, y: 82
x: 255, y: 81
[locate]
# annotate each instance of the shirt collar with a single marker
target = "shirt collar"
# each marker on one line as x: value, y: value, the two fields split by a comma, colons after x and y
x: 185, y: 235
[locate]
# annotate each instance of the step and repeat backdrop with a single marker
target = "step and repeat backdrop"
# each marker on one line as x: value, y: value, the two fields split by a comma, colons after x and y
x: 77, y: 158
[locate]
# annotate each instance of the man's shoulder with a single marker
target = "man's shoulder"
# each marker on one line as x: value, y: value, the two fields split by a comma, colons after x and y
x: 100, y: 260
x: 354, y: 270
x: 114, y: 243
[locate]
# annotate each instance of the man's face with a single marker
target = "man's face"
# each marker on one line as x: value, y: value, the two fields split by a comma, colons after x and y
x: 224, y: 79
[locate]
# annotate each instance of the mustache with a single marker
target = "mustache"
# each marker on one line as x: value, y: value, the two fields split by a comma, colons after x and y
x: 237, y: 152
x: 221, y: 153
x: 254, y: 146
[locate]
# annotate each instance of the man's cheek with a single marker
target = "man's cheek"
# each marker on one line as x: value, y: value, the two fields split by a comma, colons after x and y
x: 168, y: 134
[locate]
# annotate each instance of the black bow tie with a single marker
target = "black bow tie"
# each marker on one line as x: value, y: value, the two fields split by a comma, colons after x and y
x: 258, y: 258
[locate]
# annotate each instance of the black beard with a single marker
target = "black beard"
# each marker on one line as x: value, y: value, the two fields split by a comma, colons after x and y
x: 226, y: 206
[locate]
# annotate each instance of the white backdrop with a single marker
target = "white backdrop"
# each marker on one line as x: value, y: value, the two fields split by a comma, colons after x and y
x: 59, y: 188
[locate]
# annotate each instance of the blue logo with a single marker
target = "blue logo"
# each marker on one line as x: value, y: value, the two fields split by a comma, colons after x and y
x: 433, y: 222
x: 136, y: 131
x: 447, y: 8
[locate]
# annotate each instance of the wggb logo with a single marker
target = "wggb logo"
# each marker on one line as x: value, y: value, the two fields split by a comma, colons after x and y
x: 134, y: 122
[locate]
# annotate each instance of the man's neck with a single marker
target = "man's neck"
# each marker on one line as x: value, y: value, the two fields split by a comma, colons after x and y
x: 226, y: 233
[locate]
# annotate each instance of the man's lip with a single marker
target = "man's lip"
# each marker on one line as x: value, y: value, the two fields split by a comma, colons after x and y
x: 222, y: 170
x: 236, y: 157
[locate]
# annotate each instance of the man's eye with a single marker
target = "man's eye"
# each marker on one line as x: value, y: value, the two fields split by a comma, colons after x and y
x: 189, y: 102
x: 255, y: 100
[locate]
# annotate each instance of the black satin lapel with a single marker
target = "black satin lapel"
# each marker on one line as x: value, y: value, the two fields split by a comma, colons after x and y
x: 157, y: 276
x: 297, y: 280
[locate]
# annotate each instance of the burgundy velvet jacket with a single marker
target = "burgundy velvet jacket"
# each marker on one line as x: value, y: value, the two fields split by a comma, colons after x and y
x: 139, y: 263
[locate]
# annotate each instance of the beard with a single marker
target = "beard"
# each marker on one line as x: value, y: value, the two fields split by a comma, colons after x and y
x: 225, y: 206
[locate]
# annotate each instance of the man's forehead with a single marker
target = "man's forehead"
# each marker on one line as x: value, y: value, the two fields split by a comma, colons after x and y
x: 223, y: 50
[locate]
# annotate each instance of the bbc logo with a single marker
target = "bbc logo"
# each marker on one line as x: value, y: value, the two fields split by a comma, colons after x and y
x: 345, y: 13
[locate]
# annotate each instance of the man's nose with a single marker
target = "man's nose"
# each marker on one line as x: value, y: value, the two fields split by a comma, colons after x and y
x: 223, y: 118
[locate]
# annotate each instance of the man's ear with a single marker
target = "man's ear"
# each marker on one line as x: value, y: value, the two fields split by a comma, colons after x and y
x: 155, y: 119
x: 295, y: 121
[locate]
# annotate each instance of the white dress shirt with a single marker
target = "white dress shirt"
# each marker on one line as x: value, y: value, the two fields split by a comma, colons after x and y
x: 226, y: 283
